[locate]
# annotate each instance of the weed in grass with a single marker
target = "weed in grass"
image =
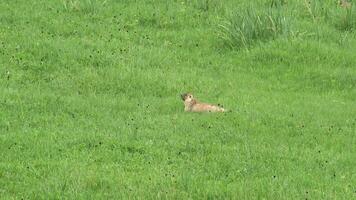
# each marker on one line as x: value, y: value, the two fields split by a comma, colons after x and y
x: 345, y: 4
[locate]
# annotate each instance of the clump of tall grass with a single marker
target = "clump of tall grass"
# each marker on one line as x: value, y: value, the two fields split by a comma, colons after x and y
x: 317, y: 9
x: 276, y: 3
x: 206, y: 5
x: 246, y: 27
x: 346, y: 20
x: 342, y: 14
x: 85, y: 6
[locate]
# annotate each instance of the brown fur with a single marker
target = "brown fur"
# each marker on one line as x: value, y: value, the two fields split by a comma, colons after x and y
x: 192, y: 105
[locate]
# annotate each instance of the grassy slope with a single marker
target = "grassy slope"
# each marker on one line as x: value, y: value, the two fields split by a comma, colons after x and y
x: 89, y: 105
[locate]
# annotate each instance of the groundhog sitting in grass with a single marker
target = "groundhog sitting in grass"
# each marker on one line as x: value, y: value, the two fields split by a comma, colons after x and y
x: 192, y: 105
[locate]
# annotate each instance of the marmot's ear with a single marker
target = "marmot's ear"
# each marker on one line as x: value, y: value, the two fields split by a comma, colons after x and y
x: 183, y: 96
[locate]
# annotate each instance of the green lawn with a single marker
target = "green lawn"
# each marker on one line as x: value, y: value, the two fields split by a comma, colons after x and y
x: 90, y: 105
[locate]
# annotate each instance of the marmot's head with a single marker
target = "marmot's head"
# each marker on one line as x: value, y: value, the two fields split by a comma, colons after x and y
x: 187, y: 97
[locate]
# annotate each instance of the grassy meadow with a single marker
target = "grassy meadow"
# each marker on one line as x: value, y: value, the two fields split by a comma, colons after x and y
x: 90, y: 105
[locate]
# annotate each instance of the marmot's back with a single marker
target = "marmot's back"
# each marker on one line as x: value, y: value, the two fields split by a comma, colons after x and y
x: 203, y: 107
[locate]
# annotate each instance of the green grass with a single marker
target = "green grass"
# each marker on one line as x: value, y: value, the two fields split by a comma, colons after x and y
x: 90, y: 107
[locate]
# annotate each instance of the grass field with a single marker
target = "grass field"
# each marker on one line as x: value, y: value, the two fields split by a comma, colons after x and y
x: 90, y: 105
